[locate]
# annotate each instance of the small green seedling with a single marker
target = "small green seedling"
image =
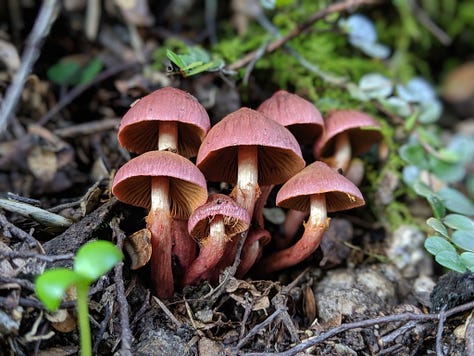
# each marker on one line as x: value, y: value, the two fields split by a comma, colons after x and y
x: 196, y: 61
x: 93, y: 260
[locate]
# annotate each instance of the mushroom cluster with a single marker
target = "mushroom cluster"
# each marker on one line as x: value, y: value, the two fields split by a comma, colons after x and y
x: 193, y: 234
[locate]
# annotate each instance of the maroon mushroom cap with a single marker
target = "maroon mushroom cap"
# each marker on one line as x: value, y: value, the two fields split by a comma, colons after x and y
x: 319, y: 178
x: 279, y: 154
x: 187, y: 185
x: 139, y: 128
x: 363, y: 130
x: 295, y: 113
x: 236, y: 218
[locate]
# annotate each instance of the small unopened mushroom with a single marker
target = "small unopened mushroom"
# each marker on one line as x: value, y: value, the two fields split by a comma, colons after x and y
x: 318, y: 189
x: 214, y: 224
x: 347, y: 133
x: 170, y: 186
x: 252, y: 250
x: 167, y: 119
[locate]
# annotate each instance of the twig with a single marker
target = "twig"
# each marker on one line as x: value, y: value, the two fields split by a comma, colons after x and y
x: 88, y: 128
x: 432, y: 27
x: 404, y: 317
x: 336, y: 7
x: 439, y: 333
x: 168, y: 312
x: 45, y: 19
x: 126, y: 334
x: 78, y: 90
x: 38, y: 256
x: 8, y: 229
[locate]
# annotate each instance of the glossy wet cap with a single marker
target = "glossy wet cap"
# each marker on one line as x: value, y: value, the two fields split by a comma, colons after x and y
x: 138, y: 131
x: 236, y: 218
x: 279, y: 154
x: 295, y: 113
x: 319, y: 178
x: 187, y: 185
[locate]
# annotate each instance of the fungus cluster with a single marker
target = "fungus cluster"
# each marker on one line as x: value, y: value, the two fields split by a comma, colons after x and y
x: 193, y: 234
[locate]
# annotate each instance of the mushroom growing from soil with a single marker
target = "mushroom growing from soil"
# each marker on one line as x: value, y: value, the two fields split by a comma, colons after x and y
x: 170, y: 186
x: 347, y: 133
x: 318, y: 189
x: 249, y: 150
x: 214, y: 224
x: 252, y: 250
x: 167, y: 119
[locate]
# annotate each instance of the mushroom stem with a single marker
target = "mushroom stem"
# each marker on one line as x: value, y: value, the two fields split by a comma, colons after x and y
x: 184, y: 246
x: 342, y: 152
x: 293, y: 221
x: 247, y: 190
x: 212, y: 250
x: 159, y: 223
x: 168, y: 136
x: 314, y: 229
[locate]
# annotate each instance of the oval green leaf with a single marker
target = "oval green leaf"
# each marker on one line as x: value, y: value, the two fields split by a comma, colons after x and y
x: 437, y: 226
x: 439, y: 210
x: 468, y: 259
x: 464, y: 240
x: 451, y: 261
x: 437, y: 244
x: 52, y: 284
x: 455, y: 201
x: 459, y: 222
x: 96, y: 258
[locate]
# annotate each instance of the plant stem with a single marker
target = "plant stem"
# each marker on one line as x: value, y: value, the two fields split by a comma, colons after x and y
x: 82, y: 290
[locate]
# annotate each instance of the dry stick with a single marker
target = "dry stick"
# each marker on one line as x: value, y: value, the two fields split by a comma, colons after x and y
x: 404, y: 317
x: 439, y: 333
x: 38, y: 256
x: 88, y: 128
x: 126, y: 334
x: 78, y: 90
x: 45, y: 19
x: 168, y: 312
x: 336, y: 7
x: 8, y: 229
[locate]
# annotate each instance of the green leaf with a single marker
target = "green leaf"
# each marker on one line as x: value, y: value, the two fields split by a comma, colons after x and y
x: 439, y: 210
x: 468, y: 259
x: 52, y: 284
x: 447, y: 172
x: 422, y: 189
x: 90, y: 71
x: 437, y: 244
x: 464, y: 240
x: 459, y: 222
x: 455, y: 201
x: 438, y: 226
x: 414, y: 154
x: 450, y: 260
x: 96, y: 258
x: 65, y: 71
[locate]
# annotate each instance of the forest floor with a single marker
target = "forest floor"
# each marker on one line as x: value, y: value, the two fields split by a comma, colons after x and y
x: 58, y: 156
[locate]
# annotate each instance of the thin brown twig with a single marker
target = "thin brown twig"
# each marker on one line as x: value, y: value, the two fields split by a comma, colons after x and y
x: 40, y: 31
x: 439, y: 333
x: 88, y: 128
x: 9, y: 229
x: 404, y: 317
x: 126, y: 334
x: 38, y: 256
x: 279, y: 42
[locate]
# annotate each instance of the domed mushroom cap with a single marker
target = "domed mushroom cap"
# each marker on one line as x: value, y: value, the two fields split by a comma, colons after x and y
x: 363, y: 130
x: 187, y: 185
x: 138, y: 131
x: 295, y: 113
x: 319, y: 178
x: 236, y: 218
x: 279, y: 154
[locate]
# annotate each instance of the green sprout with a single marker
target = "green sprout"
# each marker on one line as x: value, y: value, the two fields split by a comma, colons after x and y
x: 196, y: 61
x: 93, y: 260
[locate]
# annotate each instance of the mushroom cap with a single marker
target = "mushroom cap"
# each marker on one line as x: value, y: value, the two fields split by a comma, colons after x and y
x: 236, y: 218
x: 319, y: 178
x: 259, y: 234
x: 138, y: 130
x: 295, y: 113
x: 187, y: 185
x: 279, y: 154
x: 363, y: 130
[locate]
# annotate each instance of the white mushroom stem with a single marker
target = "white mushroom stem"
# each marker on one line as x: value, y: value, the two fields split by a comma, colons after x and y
x: 247, y: 190
x: 314, y: 229
x: 342, y: 152
x: 159, y: 223
x: 212, y: 250
x: 168, y: 136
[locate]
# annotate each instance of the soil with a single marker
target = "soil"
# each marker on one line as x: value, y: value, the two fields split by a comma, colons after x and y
x: 366, y: 291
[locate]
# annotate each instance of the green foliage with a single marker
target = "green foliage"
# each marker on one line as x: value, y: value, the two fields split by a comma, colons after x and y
x: 93, y: 260
x: 72, y: 72
x: 195, y: 61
